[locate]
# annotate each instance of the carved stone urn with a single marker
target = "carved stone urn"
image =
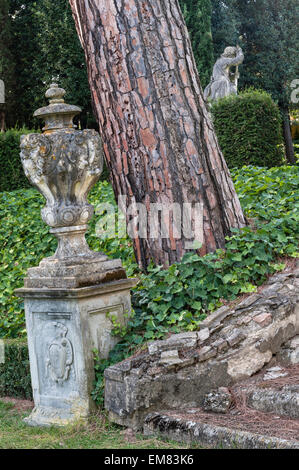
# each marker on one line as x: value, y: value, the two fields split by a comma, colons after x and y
x: 64, y: 164
x: 73, y: 298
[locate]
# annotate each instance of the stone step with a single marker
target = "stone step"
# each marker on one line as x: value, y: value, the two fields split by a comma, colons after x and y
x: 283, y: 402
x: 198, y: 427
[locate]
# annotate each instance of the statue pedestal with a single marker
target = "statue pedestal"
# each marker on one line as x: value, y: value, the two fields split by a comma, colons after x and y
x: 64, y: 326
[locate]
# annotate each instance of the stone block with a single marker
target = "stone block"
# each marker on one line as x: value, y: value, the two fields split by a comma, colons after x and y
x: 203, y: 334
x: 221, y: 345
x: 235, y: 338
x: 170, y: 357
x: 218, y: 401
x: 264, y: 319
x: 205, y: 353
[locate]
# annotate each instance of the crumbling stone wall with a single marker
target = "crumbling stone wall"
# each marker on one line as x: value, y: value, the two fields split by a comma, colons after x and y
x: 232, y: 344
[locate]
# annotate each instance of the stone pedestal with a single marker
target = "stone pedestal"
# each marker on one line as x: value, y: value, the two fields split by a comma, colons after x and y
x: 64, y: 327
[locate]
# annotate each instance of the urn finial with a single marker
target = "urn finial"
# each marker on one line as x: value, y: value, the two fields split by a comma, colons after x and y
x: 55, y: 94
x: 58, y: 115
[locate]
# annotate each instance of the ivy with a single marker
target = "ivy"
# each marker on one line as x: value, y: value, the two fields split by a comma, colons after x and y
x: 165, y: 300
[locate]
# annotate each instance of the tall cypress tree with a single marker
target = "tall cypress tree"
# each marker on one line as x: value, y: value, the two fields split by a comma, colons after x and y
x: 7, y: 66
x: 269, y: 32
x: 225, y: 25
x: 51, y: 50
x: 270, y: 35
x: 197, y: 14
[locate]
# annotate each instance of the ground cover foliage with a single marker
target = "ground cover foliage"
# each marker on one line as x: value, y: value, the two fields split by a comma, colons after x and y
x: 165, y: 301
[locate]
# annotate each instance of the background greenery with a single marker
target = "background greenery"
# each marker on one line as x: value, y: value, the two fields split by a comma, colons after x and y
x: 198, y: 17
x: 248, y: 127
x: 267, y: 31
x: 12, y: 175
x: 43, y: 46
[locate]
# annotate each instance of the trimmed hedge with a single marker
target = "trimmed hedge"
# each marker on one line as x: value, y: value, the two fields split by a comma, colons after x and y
x: 12, y: 174
x: 248, y: 127
x: 15, y: 378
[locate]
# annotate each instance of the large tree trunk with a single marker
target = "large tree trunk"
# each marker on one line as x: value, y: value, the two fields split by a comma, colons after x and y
x: 159, y: 141
x: 287, y: 135
x: 2, y: 121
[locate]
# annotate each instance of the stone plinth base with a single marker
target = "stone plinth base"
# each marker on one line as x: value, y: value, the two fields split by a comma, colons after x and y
x: 64, y: 326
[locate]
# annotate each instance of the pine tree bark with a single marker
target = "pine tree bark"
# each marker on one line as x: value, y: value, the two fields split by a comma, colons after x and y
x: 159, y: 141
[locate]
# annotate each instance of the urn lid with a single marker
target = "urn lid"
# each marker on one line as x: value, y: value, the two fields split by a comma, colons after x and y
x: 57, y: 115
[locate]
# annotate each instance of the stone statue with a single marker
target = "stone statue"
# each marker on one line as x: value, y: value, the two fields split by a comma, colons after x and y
x: 224, y: 81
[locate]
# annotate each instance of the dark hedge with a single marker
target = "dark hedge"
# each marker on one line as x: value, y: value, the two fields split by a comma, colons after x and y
x: 248, y: 127
x: 15, y: 378
x: 11, y: 171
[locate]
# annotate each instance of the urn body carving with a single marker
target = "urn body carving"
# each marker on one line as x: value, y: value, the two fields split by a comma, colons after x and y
x: 63, y: 166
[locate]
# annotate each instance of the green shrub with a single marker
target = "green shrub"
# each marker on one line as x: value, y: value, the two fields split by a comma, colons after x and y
x: 15, y: 378
x: 12, y: 174
x: 248, y: 127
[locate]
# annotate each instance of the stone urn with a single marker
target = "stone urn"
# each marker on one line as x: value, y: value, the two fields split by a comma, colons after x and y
x: 64, y: 164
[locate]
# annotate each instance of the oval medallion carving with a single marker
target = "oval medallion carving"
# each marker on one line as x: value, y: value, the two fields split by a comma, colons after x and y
x: 60, y: 355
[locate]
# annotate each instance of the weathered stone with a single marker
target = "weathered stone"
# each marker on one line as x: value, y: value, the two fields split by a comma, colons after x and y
x: 247, y: 363
x: 235, y: 338
x: 213, y: 363
x: 181, y: 341
x: 249, y: 302
x: 281, y: 402
x: 218, y: 401
x: 153, y: 348
x: 63, y: 328
x: 170, y: 357
x: 64, y: 164
x: 203, y: 334
x: 244, y: 321
x: 205, y: 353
x: 184, y: 340
x: 215, y: 318
x: 220, y: 345
x: 210, y: 435
x: 278, y: 336
x: 274, y: 373
x: 264, y: 319
x: 224, y: 82
x: 289, y: 353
